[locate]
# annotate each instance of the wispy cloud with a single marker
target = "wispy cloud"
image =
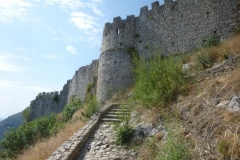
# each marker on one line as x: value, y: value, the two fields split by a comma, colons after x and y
x: 7, y: 63
x: 10, y: 9
x: 83, y: 21
x: 67, y: 4
x: 89, y: 20
x: 71, y: 49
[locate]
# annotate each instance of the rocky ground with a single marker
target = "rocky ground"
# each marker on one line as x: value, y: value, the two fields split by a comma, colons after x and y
x: 101, y: 146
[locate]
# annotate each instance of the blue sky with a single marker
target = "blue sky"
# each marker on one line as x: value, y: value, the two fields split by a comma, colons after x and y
x: 43, y: 42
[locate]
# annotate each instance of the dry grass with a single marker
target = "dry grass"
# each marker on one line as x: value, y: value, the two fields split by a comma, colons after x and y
x: 213, y: 133
x: 231, y: 46
x: 43, y: 149
x: 204, y: 121
x: 226, y: 49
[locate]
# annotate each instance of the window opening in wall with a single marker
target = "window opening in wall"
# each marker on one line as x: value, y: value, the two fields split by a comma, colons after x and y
x: 207, y: 13
x: 120, y: 44
x: 214, y: 31
x: 181, y: 15
x: 172, y: 43
x: 118, y: 31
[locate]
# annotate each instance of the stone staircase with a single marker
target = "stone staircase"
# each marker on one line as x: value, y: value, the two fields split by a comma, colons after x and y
x: 114, y: 114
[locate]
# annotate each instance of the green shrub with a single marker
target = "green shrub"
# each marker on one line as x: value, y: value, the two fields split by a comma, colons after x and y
x: 237, y: 30
x: 204, y: 60
x: 175, y: 148
x: 16, y: 140
x: 89, y: 87
x: 158, y: 80
x: 70, y: 109
x: 212, y: 41
x: 25, y: 114
x: 123, y: 130
x: 91, y: 106
x: 39, y: 95
x: 55, y: 96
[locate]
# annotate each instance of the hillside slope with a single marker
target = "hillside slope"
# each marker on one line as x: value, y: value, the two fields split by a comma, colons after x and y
x: 12, y: 121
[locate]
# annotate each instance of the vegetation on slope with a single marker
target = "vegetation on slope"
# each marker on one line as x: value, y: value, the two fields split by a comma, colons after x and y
x: 38, y: 139
x: 12, y: 121
x: 195, y: 128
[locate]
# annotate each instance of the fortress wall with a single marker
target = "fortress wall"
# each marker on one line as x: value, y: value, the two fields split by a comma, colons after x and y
x: 83, y: 77
x: 176, y: 26
x: 173, y: 27
x: 114, y: 73
x: 44, y: 104
x: 75, y: 88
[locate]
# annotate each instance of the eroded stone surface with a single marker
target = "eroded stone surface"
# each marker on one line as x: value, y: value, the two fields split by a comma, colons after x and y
x: 101, y: 146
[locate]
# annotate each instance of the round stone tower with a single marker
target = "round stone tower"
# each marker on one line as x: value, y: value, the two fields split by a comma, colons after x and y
x: 115, y: 67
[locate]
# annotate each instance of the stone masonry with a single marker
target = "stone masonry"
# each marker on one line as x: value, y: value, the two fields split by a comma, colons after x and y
x: 44, y: 104
x: 176, y: 26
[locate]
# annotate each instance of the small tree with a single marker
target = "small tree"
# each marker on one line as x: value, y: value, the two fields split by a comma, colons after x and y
x: 25, y: 114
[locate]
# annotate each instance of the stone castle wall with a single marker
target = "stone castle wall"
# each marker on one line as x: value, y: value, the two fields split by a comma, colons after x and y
x: 45, y: 104
x: 176, y: 26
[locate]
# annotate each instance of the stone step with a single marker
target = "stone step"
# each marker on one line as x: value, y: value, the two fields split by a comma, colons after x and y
x: 119, y: 113
x: 110, y: 120
x: 121, y: 106
x: 111, y: 116
x: 119, y: 110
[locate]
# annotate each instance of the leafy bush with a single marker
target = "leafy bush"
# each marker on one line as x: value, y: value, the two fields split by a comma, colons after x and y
x: 55, y: 96
x: 89, y: 87
x: 175, y: 148
x: 39, y: 95
x: 91, y: 106
x: 212, y: 41
x: 158, y: 80
x: 70, y: 109
x: 15, y: 140
x: 204, y: 60
x: 25, y: 114
x: 123, y: 130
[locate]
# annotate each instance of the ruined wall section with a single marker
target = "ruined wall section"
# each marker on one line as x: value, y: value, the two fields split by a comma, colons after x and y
x: 47, y: 103
x: 85, y: 76
x: 44, y: 104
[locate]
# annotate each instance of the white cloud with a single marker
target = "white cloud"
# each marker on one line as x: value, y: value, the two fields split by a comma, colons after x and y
x: 67, y: 4
x: 94, y: 5
x: 83, y: 21
x: 96, y: 10
x: 7, y: 64
x: 71, y: 49
x: 10, y: 9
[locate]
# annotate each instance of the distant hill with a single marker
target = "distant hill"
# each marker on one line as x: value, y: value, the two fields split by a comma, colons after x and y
x: 1, y: 119
x: 12, y: 121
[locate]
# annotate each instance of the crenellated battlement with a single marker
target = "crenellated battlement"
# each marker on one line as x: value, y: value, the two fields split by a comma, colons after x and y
x: 155, y: 5
x: 168, y: 2
x: 144, y: 10
x: 117, y: 19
